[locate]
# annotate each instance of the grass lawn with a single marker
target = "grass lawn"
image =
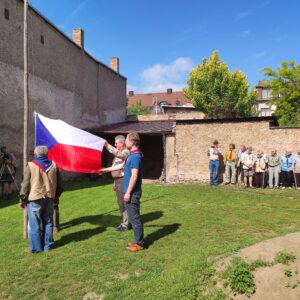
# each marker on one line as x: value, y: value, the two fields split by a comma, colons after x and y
x: 187, y: 228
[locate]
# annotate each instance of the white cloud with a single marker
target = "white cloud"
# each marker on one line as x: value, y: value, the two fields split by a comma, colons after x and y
x: 259, y: 54
x: 244, y: 14
x: 160, y: 77
x: 79, y: 8
x: 244, y: 34
x: 131, y: 87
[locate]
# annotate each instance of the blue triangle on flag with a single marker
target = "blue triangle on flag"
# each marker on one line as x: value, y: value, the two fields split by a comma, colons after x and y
x: 42, y: 134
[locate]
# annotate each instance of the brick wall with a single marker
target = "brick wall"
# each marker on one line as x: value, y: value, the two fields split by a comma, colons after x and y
x: 187, y: 151
x: 65, y: 82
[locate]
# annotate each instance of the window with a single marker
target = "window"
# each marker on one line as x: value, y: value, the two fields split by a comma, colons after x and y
x: 42, y: 40
x: 6, y: 14
x: 266, y: 94
x: 265, y: 112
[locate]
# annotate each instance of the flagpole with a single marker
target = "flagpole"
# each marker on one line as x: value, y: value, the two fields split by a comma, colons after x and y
x: 26, y: 104
x: 26, y: 90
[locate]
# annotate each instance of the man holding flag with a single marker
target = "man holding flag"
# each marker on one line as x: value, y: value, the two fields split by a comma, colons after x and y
x: 40, y: 186
x: 132, y: 189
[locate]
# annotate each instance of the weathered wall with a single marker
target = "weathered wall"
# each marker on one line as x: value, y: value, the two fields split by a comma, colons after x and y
x: 64, y: 82
x: 187, y: 154
x: 171, y: 159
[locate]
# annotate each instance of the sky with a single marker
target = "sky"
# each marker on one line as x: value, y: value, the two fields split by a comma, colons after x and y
x: 160, y: 41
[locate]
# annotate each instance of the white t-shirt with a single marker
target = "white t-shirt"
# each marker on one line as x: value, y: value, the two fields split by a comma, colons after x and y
x: 297, y: 164
x: 213, y: 153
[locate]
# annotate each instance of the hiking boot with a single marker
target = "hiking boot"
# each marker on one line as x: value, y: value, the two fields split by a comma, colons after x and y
x: 134, y: 248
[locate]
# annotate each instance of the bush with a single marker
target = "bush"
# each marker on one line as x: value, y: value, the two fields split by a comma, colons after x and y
x: 284, y: 257
x: 239, y: 277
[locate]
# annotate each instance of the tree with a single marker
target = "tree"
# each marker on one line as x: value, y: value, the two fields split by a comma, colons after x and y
x: 137, y: 109
x: 219, y: 93
x: 285, y: 88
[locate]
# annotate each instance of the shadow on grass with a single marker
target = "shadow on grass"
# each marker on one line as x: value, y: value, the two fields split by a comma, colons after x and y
x: 108, y: 220
x: 104, y: 221
x: 160, y: 233
x: 78, y: 236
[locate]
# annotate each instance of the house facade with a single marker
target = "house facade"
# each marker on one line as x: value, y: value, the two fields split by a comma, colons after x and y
x: 263, y: 106
x: 157, y: 101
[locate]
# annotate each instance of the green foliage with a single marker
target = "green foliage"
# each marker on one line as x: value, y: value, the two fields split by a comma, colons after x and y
x: 239, y: 277
x: 285, y: 86
x: 284, y: 257
x: 258, y: 263
x: 137, y: 108
x: 219, y: 93
x: 288, y: 272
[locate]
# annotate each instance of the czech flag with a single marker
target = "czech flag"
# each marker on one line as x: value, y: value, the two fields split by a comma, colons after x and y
x: 71, y: 148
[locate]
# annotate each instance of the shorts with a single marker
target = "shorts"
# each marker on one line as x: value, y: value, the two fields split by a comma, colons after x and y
x: 248, y: 172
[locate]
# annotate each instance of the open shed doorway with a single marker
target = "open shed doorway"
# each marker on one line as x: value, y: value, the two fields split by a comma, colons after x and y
x: 153, y: 154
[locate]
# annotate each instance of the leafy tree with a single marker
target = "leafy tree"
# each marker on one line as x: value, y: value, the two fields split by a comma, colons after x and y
x: 219, y: 93
x: 285, y: 86
x: 137, y: 109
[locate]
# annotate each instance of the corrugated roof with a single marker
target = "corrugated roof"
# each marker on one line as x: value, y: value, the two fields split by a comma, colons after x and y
x: 153, y: 127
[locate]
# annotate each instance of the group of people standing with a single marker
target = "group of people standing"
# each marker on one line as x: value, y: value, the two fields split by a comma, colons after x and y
x: 255, y: 169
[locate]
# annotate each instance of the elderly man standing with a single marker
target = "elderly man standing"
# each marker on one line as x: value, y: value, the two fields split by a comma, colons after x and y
x: 273, y: 162
x: 230, y: 165
x: 41, y: 184
x: 248, y: 161
x: 120, y: 153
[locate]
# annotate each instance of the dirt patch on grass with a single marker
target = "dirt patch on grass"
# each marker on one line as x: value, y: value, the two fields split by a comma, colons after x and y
x: 92, y: 296
x: 274, y: 282
x: 122, y: 276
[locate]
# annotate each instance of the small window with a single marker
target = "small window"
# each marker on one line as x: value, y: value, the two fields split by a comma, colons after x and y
x: 6, y: 14
x: 42, y: 40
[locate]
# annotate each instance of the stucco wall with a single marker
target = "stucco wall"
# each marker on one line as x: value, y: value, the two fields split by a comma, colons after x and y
x: 191, y: 141
x: 64, y: 81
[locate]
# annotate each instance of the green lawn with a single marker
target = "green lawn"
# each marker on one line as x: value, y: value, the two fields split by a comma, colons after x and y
x: 187, y: 228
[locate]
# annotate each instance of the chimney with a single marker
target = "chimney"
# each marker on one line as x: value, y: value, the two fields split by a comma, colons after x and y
x: 78, y: 37
x: 169, y: 91
x: 130, y: 93
x: 114, y: 64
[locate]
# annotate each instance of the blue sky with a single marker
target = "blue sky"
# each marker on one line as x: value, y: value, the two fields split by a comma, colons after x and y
x: 159, y: 41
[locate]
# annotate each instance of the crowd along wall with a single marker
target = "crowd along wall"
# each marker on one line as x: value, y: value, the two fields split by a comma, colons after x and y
x: 65, y: 82
x: 187, y: 149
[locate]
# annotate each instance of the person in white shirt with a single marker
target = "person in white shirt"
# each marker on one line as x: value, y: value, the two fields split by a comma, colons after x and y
x: 248, y: 161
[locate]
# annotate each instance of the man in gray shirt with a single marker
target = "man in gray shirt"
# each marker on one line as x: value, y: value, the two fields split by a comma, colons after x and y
x: 273, y: 161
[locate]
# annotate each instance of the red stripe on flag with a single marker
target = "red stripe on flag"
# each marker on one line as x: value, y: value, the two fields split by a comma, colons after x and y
x: 75, y: 158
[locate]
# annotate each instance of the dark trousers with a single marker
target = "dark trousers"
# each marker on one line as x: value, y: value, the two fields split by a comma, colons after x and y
x: 287, y: 178
x: 133, y: 211
x: 297, y: 177
x: 56, y: 216
x: 259, y: 179
x: 240, y: 173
